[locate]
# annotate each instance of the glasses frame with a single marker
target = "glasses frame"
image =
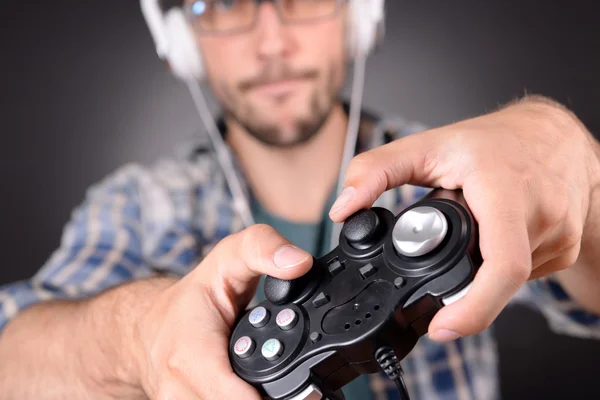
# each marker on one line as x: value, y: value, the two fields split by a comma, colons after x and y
x: 190, y: 16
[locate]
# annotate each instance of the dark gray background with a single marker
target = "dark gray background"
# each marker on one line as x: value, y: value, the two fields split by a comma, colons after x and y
x: 83, y: 94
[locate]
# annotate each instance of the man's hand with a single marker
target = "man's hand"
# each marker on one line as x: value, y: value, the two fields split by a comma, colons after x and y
x: 157, y: 338
x: 184, y: 336
x: 528, y: 173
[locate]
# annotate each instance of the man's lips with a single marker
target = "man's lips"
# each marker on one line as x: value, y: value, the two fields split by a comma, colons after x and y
x: 278, y: 88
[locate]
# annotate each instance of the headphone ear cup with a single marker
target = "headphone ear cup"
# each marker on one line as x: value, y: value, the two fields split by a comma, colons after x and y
x: 365, y: 26
x: 182, y: 53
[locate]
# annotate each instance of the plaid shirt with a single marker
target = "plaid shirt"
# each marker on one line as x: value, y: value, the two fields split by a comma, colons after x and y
x: 165, y: 218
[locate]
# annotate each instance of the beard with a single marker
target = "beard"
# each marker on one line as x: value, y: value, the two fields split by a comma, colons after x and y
x: 302, y: 128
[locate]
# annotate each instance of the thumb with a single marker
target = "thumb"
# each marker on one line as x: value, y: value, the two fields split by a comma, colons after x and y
x: 238, y: 260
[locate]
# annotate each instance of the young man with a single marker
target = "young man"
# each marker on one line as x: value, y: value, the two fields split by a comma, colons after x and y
x: 154, y: 267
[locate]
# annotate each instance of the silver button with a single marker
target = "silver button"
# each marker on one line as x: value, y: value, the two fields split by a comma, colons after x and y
x: 310, y: 393
x: 286, y: 319
x: 259, y: 317
x: 272, y: 349
x: 244, y: 347
x: 419, y: 231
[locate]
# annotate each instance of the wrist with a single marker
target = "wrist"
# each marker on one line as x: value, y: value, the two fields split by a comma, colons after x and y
x: 114, y: 318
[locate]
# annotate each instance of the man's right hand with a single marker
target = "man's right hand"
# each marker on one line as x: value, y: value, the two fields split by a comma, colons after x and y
x: 181, y: 341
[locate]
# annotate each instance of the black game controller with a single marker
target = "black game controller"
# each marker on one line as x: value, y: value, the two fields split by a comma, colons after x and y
x: 363, y: 306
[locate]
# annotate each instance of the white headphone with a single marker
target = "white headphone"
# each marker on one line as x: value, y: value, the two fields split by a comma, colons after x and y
x: 176, y: 43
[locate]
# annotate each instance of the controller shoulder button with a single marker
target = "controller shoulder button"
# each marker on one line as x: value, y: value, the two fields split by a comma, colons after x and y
x: 312, y: 392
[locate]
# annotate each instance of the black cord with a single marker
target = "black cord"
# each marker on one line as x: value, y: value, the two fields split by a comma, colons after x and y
x: 402, y: 388
x: 386, y: 357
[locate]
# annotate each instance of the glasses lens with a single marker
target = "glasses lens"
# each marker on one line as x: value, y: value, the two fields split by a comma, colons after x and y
x: 306, y: 10
x: 222, y: 15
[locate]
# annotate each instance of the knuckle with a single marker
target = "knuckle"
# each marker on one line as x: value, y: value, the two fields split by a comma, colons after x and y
x: 431, y: 162
x: 571, y: 256
x: 360, y: 164
x: 557, y: 211
x: 225, y: 243
x: 517, y: 273
x: 569, y: 240
x: 254, y: 237
x: 257, y: 232
x: 177, y: 364
x: 573, y: 233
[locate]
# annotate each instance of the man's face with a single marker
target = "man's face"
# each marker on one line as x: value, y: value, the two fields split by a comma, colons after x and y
x: 278, y: 81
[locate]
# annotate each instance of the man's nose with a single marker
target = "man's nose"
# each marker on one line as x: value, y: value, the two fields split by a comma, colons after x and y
x: 272, y: 35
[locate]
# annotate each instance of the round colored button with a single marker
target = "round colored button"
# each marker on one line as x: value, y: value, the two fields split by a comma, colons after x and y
x: 286, y: 319
x: 259, y: 317
x: 419, y: 231
x: 272, y: 349
x: 244, y: 347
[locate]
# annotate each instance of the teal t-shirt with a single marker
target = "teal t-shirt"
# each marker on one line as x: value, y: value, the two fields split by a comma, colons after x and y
x: 315, y: 239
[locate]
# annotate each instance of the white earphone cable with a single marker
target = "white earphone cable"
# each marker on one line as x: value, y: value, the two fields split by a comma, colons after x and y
x: 240, y: 200
x: 356, y: 98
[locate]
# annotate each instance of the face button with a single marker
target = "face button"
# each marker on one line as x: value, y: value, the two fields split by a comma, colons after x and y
x: 272, y: 349
x: 259, y: 317
x: 244, y: 347
x: 286, y: 319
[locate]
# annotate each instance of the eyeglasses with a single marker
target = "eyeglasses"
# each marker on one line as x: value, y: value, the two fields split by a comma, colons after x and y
x: 238, y: 16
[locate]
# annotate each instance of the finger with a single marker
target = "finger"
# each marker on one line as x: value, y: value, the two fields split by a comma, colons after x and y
x: 562, y: 262
x: 505, y: 249
x: 416, y: 159
x: 259, y: 250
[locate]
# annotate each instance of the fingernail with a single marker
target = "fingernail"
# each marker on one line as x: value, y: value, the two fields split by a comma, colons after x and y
x: 444, y: 335
x: 346, y: 197
x: 289, y: 256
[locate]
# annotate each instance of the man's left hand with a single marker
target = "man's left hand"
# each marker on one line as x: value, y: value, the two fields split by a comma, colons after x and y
x: 530, y: 173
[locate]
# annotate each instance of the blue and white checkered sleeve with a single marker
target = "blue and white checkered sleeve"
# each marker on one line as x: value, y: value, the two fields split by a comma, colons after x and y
x: 564, y: 315
x: 100, y: 248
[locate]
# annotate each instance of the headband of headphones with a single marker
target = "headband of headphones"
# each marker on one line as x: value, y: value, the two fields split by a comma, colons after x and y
x: 176, y: 43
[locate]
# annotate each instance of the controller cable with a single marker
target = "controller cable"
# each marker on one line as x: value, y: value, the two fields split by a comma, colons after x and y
x: 386, y: 357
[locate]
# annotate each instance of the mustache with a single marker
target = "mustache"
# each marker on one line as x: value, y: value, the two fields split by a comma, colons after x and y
x: 273, y: 74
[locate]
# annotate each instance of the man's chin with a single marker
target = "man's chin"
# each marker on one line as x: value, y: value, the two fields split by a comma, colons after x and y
x: 292, y: 121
